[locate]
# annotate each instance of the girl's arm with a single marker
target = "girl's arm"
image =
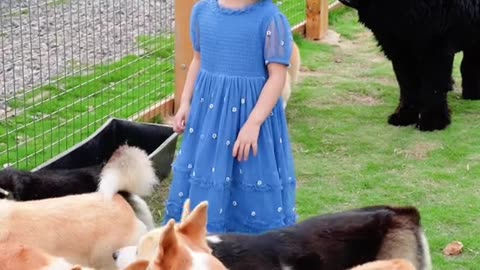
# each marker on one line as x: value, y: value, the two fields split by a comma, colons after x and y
x: 181, y: 117
x: 270, y: 94
x: 191, y: 78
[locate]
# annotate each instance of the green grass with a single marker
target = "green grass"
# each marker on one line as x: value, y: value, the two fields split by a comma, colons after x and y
x: 80, y: 104
x: 347, y: 156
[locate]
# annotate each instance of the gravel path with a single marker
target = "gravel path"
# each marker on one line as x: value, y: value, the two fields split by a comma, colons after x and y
x: 41, y: 40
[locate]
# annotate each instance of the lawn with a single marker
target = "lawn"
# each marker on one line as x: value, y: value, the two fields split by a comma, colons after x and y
x: 54, y: 117
x: 347, y: 156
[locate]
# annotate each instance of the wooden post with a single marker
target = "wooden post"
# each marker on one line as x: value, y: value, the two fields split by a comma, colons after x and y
x: 317, y: 19
x: 183, y: 45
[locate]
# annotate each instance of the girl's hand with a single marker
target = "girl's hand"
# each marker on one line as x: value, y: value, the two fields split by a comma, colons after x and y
x: 247, y: 138
x: 181, y: 118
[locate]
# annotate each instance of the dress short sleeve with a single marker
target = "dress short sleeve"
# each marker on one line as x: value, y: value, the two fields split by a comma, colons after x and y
x: 194, y: 28
x: 278, y: 40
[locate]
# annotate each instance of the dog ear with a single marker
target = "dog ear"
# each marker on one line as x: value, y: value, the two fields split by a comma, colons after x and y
x: 186, y: 210
x: 167, y: 247
x: 195, y: 224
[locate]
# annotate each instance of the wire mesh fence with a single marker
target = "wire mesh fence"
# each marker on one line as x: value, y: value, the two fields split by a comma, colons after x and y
x: 293, y: 9
x: 69, y: 65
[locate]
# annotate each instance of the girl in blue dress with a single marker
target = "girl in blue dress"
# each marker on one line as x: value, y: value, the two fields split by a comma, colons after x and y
x: 236, y: 152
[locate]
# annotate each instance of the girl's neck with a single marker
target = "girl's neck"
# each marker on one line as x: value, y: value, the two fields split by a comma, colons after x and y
x: 236, y: 4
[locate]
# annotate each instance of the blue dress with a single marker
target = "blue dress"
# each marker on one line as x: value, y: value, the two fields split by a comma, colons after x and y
x: 253, y: 196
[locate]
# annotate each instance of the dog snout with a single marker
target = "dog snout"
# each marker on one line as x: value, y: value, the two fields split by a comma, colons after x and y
x: 115, y: 255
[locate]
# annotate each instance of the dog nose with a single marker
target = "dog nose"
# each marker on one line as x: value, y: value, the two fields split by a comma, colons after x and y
x: 115, y: 255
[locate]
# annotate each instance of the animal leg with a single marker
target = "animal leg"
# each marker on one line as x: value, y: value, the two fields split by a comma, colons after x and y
x: 436, y: 71
x: 408, y: 108
x: 470, y: 69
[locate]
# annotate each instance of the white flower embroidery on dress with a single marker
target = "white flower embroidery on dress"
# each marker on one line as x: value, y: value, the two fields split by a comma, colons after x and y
x: 259, y: 183
x: 242, y: 101
x: 227, y: 142
x: 234, y: 203
x: 189, y: 166
x: 234, y: 109
x: 227, y: 179
x: 213, y: 169
x: 180, y: 194
x: 279, y: 209
x: 190, y: 130
x: 214, y: 136
x: 253, y: 213
x: 210, y: 106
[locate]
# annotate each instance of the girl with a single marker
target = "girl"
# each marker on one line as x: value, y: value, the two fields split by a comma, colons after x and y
x: 236, y: 152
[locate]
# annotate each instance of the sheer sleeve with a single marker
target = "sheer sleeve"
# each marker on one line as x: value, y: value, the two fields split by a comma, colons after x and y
x: 195, y: 29
x: 278, y: 41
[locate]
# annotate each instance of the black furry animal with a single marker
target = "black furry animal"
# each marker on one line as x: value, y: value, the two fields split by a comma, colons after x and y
x: 43, y: 184
x: 420, y: 38
x: 330, y: 242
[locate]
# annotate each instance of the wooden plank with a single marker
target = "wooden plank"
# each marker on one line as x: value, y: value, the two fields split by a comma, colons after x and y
x: 163, y: 108
x: 183, y: 45
x: 299, y: 28
x: 317, y: 19
x: 334, y: 6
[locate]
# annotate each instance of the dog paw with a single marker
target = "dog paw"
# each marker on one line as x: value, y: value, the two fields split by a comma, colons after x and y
x: 437, y: 119
x: 403, y: 117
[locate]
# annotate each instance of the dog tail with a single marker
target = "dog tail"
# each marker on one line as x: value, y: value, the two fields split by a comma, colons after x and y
x: 292, y: 74
x: 129, y: 170
x: 295, y: 64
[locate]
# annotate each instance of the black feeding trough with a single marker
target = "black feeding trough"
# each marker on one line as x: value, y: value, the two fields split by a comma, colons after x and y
x: 159, y: 141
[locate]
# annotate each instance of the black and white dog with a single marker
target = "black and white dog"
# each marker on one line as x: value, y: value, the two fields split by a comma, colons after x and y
x: 335, y: 241
x: 26, y: 185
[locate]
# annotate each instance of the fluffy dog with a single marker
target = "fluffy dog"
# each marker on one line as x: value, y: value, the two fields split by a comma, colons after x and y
x: 292, y: 74
x: 421, y: 37
x: 25, y: 185
x: 331, y: 242
x: 87, y: 228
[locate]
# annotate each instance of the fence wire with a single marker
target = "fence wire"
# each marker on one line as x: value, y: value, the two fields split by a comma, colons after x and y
x: 69, y: 65
x: 293, y: 9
